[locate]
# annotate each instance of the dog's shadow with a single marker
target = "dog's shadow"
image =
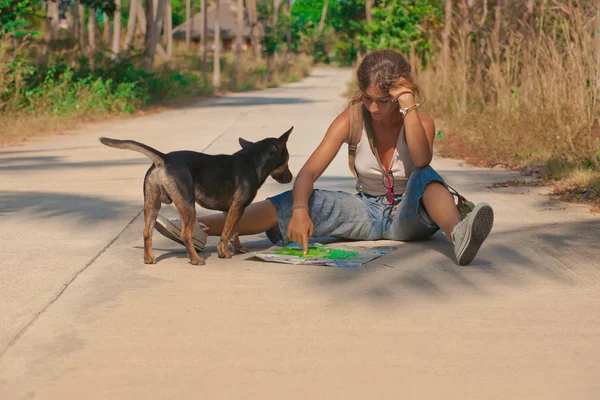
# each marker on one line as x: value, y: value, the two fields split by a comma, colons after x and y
x: 176, y: 253
x: 209, y: 251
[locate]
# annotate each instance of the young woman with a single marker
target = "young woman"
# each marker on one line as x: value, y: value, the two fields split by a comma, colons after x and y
x: 400, y: 196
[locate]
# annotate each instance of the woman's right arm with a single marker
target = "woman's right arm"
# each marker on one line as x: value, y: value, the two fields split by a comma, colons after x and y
x: 301, y: 227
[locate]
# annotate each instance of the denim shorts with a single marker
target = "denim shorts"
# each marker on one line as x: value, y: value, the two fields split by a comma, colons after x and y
x: 361, y: 216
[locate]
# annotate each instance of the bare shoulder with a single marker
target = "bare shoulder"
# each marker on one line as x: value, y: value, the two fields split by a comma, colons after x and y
x: 427, y: 122
x: 426, y: 119
x: 340, y: 127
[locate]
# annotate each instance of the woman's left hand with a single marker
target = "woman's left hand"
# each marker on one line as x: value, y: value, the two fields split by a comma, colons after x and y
x: 402, y: 93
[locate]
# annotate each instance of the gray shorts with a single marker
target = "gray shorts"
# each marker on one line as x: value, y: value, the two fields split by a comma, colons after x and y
x: 361, y: 216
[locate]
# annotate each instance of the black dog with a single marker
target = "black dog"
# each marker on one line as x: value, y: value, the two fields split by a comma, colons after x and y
x: 227, y: 183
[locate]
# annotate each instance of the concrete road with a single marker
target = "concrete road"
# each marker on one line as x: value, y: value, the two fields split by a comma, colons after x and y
x: 81, y: 316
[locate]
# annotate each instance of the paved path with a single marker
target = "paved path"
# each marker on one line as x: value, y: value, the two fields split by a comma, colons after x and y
x: 81, y: 316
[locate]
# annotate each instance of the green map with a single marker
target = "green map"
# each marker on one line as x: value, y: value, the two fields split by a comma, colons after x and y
x: 339, y: 256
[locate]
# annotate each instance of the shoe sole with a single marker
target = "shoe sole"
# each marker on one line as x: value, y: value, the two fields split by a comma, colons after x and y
x: 478, y: 231
x: 169, y: 234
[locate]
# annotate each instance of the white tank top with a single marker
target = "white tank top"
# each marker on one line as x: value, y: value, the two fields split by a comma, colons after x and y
x: 371, y: 177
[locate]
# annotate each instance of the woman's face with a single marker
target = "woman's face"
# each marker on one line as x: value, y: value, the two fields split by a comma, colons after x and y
x: 379, y: 103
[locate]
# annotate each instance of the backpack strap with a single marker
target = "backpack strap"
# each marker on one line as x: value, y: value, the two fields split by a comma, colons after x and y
x: 354, y: 134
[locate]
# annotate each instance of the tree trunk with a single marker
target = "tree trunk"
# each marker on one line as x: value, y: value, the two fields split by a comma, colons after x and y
x: 188, y: 23
x: 495, y: 36
x: 76, y: 20
x: 133, y: 17
x: 217, y: 51
x: 141, y: 15
x: 53, y: 11
x: 254, y: 24
x: 204, y: 41
x: 271, y: 69
x: 446, y: 39
x: 92, y: 22
x: 465, y: 33
x: 323, y: 15
x: 81, y: 35
x: 51, y: 31
x: 597, y: 48
x: 106, y: 33
x: 288, y: 12
x: 238, y: 43
x: 154, y: 20
x: 169, y: 29
x: 116, y: 40
x: 369, y: 11
x: 70, y: 21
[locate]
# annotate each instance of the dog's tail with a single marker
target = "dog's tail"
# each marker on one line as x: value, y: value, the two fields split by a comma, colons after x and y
x: 156, y: 156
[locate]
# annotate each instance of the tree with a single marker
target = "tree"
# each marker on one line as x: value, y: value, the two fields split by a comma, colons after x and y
x: 446, y: 38
x: 116, y: 40
x: 188, y: 26
x: 323, y: 15
x: 238, y: 41
x: 203, y: 40
x: 131, y: 24
x: 495, y: 37
x: 51, y: 32
x: 169, y: 28
x: 154, y: 20
x: 217, y: 51
x: 92, y: 23
x: 253, y: 14
x: 82, y: 39
x: 403, y: 24
x: 13, y: 16
x: 369, y: 11
x: 106, y: 33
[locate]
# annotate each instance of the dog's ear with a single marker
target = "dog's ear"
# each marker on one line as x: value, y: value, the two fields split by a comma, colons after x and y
x: 244, y: 143
x: 284, y: 138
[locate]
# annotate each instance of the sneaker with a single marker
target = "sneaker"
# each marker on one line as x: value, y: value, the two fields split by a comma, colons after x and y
x: 468, y: 235
x: 171, y: 229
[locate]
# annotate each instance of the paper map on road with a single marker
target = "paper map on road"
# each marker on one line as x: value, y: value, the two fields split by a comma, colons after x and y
x: 342, y: 256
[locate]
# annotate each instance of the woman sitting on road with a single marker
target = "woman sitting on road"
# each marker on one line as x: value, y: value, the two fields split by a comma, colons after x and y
x: 407, y: 200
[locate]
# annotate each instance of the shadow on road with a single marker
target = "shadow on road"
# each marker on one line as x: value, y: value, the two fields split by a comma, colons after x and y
x: 43, y: 163
x: 50, y: 205
x: 241, y: 101
x: 516, y: 258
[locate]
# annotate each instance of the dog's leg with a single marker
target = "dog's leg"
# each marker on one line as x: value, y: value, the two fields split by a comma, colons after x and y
x: 233, y: 217
x: 151, y: 209
x: 187, y: 213
x: 235, y: 241
x: 236, y: 245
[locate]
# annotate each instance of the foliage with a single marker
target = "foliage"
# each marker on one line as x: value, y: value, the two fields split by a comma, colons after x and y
x: 402, y: 24
x: 13, y: 17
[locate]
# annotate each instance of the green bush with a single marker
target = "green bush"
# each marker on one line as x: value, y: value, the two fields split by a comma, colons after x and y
x: 121, y: 89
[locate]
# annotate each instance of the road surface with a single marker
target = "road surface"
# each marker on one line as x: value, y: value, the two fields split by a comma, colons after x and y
x: 81, y: 316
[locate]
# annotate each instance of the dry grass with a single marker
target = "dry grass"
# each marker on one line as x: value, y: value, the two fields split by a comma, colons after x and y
x: 535, y: 105
x: 538, y: 103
